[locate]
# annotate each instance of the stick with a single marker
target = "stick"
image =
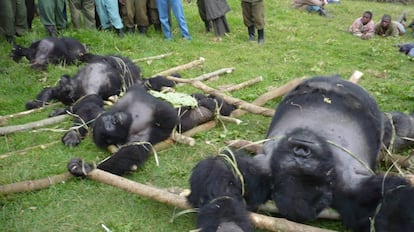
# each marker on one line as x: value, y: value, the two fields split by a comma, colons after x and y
x: 207, y: 76
x: 32, y: 185
x: 180, y: 138
x: 163, y: 196
x: 181, y: 67
x: 273, y: 93
x: 42, y: 146
x: 355, y: 77
x: 32, y: 125
x: 231, y: 100
x: 4, y: 118
x: 242, y: 85
x: 152, y: 57
x: 245, y: 144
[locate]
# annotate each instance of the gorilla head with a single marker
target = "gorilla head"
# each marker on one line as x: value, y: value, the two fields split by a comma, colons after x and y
x: 323, y: 143
x: 302, y: 165
x: 111, y: 128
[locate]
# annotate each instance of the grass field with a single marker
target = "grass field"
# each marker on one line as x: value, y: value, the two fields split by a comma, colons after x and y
x: 296, y: 44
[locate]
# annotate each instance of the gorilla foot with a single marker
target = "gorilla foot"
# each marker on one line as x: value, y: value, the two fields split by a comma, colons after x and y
x: 71, y: 138
x: 79, y: 168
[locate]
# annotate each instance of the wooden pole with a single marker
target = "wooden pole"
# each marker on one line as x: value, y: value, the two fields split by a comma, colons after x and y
x: 32, y: 125
x: 158, y: 57
x: 181, y: 67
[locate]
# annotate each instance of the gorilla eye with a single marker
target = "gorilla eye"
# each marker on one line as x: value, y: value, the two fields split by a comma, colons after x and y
x: 301, y: 151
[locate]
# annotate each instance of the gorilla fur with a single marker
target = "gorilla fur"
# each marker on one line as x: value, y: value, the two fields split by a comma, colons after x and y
x: 323, y: 143
x: 216, y: 186
x: 207, y: 107
x: 50, y: 50
x: 135, y: 122
x: 397, y: 128
x: 103, y: 75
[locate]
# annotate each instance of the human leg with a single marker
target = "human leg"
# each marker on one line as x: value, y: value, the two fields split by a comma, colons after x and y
x: 88, y: 11
x: 177, y: 8
x: 162, y: 6
x: 75, y: 12
x: 112, y: 10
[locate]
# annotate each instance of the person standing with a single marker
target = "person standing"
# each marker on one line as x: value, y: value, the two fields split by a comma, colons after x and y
x: 134, y: 12
x: 363, y: 27
x: 215, y: 12
x: 153, y: 15
x: 13, y: 19
x: 177, y: 9
x: 52, y: 15
x: 253, y: 18
x: 82, y: 9
x: 108, y: 13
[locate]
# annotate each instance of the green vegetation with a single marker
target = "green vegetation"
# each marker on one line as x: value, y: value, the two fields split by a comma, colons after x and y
x: 296, y: 44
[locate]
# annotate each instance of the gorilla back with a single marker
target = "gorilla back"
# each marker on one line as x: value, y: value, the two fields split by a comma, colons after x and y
x: 325, y: 133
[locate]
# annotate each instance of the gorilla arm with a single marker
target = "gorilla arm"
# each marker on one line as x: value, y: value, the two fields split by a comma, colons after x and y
x: 86, y: 110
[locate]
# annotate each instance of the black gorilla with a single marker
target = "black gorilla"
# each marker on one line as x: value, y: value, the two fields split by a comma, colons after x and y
x: 134, y: 122
x: 398, y: 131
x: 103, y: 75
x: 207, y: 107
x: 50, y: 50
x: 322, y: 148
x: 219, y: 187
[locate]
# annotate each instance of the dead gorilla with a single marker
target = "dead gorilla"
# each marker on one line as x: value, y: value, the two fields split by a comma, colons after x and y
x: 135, y: 120
x: 324, y: 140
x: 103, y: 75
x: 221, y: 185
x: 50, y: 50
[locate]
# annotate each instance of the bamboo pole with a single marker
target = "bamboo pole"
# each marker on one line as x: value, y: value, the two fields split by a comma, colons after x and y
x: 27, y: 112
x: 163, y: 196
x: 158, y: 57
x: 231, y: 100
x: 32, y: 125
x: 241, y: 85
x: 181, y: 67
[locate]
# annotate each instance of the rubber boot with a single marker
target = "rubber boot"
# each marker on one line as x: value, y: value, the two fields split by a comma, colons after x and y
x: 142, y: 29
x: 130, y: 30
x: 120, y: 32
x: 51, y: 31
x: 251, y: 33
x: 208, y: 26
x: 260, y: 39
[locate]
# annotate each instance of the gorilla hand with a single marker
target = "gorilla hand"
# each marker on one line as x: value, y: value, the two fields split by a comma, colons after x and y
x: 71, y: 138
x: 78, y: 168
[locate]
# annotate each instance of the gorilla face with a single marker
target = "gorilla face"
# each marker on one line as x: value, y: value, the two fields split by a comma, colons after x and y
x: 205, y: 184
x: 17, y: 53
x: 303, y: 174
x: 112, y: 128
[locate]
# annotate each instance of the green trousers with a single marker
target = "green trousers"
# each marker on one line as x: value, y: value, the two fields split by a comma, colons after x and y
x: 51, y: 13
x: 13, y: 17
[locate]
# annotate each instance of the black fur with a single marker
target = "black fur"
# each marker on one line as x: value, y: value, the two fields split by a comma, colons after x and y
x: 397, y: 127
x: 207, y: 107
x: 323, y: 144
x: 50, y: 50
x: 103, y: 75
x: 223, y: 214
x: 134, y: 122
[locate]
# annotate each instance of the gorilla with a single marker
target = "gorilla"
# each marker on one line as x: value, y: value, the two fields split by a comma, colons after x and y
x: 224, y: 187
x: 207, y: 107
x: 103, y: 75
x: 321, y: 151
x: 398, y: 131
x: 407, y: 48
x: 134, y: 123
x: 50, y: 50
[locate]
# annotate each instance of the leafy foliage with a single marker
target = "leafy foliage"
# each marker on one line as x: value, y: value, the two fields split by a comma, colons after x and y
x: 296, y: 44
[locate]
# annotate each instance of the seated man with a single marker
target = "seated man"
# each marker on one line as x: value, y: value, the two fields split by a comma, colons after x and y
x: 387, y: 27
x: 363, y: 27
x: 311, y: 5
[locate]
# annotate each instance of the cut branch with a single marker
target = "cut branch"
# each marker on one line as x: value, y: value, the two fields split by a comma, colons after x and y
x: 4, y: 118
x: 246, y: 145
x: 32, y: 125
x: 181, y: 67
x: 152, y: 57
x: 32, y: 185
x: 207, y: 76
x: 163, y: 196
x: 41, y: 146
x: 242, y: 85
x: 231, y: 100
x: 272, y: 94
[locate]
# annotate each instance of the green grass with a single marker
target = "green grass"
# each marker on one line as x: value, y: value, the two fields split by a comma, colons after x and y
x: 296, y: 44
